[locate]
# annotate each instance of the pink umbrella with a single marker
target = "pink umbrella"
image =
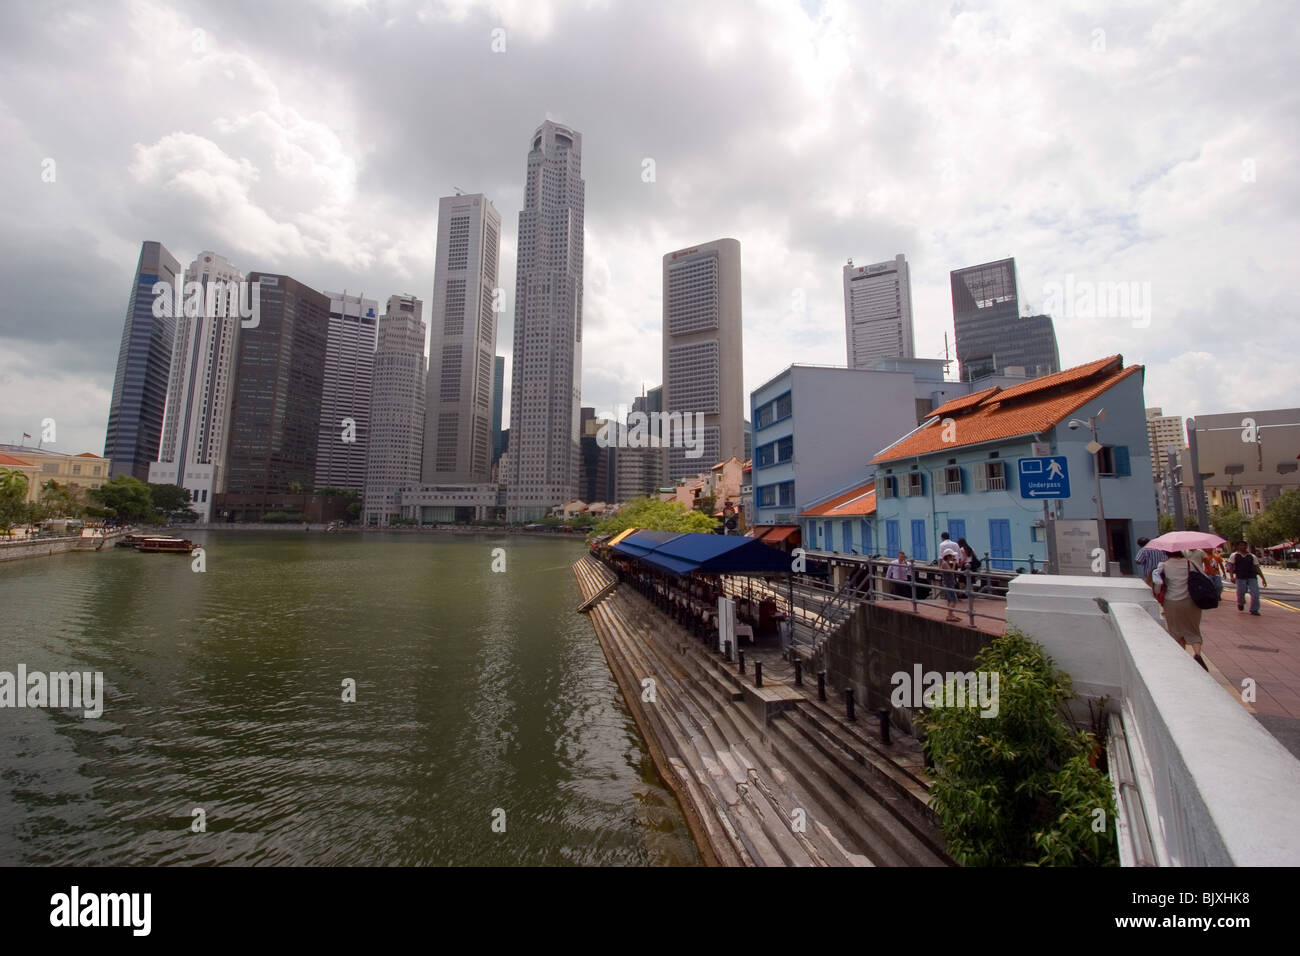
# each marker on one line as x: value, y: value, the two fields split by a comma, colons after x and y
x: 1185, y: 541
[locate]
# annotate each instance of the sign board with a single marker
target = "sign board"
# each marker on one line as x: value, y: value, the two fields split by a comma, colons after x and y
x: 1075, y: 541
x: 1047, y: 477
x: 727, y: 625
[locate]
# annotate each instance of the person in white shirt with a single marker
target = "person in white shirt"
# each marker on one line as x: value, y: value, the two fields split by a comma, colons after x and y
x: 949, y: 546
x: 1182, y: 616
x: 899, y: 574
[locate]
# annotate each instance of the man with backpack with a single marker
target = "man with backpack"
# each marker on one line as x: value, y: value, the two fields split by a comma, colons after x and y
x: 1245, y: 570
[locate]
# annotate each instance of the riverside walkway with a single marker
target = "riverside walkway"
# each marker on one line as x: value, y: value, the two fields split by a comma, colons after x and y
x: 766, y: 776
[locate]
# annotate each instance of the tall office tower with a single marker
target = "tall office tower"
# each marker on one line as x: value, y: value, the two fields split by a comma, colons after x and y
x: 458, y: 402
x: 344, y: 431
x: 702, y: 353
x: 135, y: 415
x: 395, y: 453
x: 878, y: 311
x: 1163, y: 432
x: 546, y: 367
x: 197, y: 419
x: 498, y: 394
x: 279, y: 377
x: 992, y: 337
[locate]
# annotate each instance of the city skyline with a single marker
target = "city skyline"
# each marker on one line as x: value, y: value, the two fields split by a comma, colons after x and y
x: 1099, y: 208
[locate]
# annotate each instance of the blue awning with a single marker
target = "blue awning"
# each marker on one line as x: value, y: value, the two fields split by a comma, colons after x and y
x: 687, y: 553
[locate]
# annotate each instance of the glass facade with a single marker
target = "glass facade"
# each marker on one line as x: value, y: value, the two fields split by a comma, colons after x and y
x: 991, y: 334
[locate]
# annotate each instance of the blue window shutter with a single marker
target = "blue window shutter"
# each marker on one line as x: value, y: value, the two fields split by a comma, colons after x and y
x: 918, y: 540
x: 1121, y: 462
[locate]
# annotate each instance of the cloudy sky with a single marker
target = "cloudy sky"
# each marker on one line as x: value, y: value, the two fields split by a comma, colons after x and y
x: 1150, y: 143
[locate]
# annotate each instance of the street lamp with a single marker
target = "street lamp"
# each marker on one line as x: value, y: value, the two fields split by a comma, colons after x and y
x: 1094, y: 448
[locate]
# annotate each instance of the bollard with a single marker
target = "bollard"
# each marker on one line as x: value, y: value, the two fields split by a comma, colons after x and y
x: 821, y: 685
x: 798, y: 669
x: 758, y: 673
x: 848, y: 702
x: 884, y: 723
x: 726, y: 649
x: 740, y: 658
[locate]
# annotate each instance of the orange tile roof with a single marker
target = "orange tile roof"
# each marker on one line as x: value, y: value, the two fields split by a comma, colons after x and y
x: 853, y: 503
x: 11, y: 460
x: 963, y: 401
x: 1026, y: 409
x: 86, y: 454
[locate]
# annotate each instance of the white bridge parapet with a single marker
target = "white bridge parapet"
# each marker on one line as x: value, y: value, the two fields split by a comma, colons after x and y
x: 1215, y: 787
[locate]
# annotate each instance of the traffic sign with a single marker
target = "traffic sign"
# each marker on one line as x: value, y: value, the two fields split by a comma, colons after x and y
x: 1047, y: 477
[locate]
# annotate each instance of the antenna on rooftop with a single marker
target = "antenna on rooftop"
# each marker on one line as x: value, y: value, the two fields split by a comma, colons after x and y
x: 459, y: 191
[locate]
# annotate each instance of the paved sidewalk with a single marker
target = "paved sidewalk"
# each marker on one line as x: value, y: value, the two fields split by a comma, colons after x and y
x: 1265, y: 648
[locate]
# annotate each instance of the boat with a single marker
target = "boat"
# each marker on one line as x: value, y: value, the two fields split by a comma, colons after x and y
x: 165, y: 545
x: 130, y: 540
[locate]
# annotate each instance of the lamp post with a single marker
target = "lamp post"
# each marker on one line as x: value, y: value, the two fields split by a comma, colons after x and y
x: 1094, y: 448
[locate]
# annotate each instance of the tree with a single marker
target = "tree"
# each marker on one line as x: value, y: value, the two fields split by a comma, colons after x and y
x: 1190, y: 523
x: 1166, y: 524
x: 354, y: 511
x: 173, y: 502
x: 13, y: 498
x: 651, y: 514
x: 1264, y: 530
x: 1016, y: 787
x: 1284, y: 511
x: 126, y: 497
x: 1227, y: 523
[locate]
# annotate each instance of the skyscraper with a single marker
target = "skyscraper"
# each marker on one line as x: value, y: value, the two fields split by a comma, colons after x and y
x: 395, y: 452
x: 344, y: 431
x: 992, y: 337
x: 878, y: 311
x: 1163, y: 432
x: 279, y: 377
x: 458, y: 401
x: 135, y: 414
x: 702, y: 353
x: 498, y: 395
x: 546, y: 368
x: 197, y: 419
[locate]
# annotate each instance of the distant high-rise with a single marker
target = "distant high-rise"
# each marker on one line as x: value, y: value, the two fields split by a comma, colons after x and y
x: 395, y: 454
x: 992, y: 337
x: 546, y: 366
x: 458, y: 401
x: 344, y: 431
x: 279, y: 377
x: 878, y: 311
x: 199, y: 392
x: 498, y: 395
x: 1163, y: 432
x: 702, y: 352
x: 135, y: 414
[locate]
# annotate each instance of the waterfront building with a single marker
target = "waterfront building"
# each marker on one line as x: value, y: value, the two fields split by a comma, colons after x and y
x: 843, y: 522
x: 197, y: 417
x: 498, y: 396
x: 878, y: 311
x: 815, y: 429
x: 396, y: 450
x: 144, y: 359
x: 992, y: 337
x: 455, y: 503
x: 960, y: 472
x: 702, y: 352
x: 546, y: 365
x: 462, y: 343
x: 79, y: 473
x: 343, y: 435
x: 276, y: 410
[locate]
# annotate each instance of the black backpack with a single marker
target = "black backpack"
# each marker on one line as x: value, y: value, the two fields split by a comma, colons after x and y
x: 1201, y: 589
x: 974, y: 563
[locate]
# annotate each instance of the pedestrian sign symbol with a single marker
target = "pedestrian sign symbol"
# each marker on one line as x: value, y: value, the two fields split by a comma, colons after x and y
x: 1047, y: 477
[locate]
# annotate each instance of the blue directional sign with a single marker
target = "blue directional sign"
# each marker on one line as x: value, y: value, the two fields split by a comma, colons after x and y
x: 1045, y: 477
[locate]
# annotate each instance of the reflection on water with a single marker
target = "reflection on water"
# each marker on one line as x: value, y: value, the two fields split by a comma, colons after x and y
x: 223, y: 691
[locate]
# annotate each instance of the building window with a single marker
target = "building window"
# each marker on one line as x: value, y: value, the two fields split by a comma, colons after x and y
x: 913, y: 485
x: 1112, y: 461
x: 887, y: 486
x: 990, y: 476
x: 948, y: 480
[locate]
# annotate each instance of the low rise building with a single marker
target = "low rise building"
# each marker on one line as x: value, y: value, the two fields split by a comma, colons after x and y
x: 79, y: 473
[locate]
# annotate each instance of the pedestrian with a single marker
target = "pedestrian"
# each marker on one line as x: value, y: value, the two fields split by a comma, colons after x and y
x: 1182, y: 616
x: 948, y: 575
x: 899, y: 575
x: 949, y: 546
x: 1246, y: 572
x: 1213, y: 568
x: 1147, y: 560
x: 970, y: 562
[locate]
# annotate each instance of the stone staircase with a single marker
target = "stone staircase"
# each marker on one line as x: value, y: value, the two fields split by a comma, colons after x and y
x: 800, y: 787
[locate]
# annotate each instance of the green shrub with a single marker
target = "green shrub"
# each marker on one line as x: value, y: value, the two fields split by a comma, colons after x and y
x: 1017, y: 789
x: 281, y: 517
